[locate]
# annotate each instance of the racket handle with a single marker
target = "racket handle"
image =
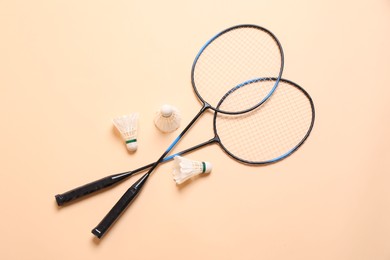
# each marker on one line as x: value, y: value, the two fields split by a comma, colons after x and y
x: 86, y: 189
x: 119, y: 207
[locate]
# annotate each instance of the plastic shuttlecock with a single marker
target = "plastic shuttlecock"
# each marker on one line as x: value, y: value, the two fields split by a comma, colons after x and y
x: 184, y: 169
x: 127, y: 125
x: 167, y: 119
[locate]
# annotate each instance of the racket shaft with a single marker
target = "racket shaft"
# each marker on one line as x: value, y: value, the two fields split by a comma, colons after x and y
x: 119, y: 207
x: 114, y: 179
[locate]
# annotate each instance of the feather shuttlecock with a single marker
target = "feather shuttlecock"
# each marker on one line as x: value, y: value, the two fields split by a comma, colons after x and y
x: 127, y: 125
x: 184, y: 169
x: 167, y: 119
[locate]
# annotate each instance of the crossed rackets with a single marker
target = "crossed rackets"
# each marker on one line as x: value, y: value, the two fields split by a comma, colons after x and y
x: 259, y: 118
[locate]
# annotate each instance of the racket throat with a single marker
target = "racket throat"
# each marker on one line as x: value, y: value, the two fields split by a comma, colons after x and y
x: 205, y: 107
x: 215, y: 139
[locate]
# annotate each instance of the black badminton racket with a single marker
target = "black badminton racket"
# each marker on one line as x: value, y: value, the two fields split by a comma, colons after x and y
x: 264, y: 135
x: 231, y: 57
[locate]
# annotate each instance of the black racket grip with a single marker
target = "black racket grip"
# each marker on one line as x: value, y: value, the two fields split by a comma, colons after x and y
x: 85, y: 190
x: 119, y: 207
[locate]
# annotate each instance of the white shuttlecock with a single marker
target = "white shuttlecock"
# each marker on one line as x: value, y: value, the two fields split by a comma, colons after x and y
x: 184, y: 169
x: 127, y: 125
x: 167, y: 119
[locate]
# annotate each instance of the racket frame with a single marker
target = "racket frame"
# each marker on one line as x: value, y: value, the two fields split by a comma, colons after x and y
x: 211, y: 41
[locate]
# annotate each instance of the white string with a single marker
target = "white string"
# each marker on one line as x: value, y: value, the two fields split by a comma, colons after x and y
x: 234, y: 57
x: 271, y: 130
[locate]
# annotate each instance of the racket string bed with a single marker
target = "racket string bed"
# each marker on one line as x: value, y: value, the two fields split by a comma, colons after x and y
x: 270, y: 131
x: 235, y: 57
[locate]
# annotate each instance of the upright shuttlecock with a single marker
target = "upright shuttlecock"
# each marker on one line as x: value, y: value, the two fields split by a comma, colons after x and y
x: 167, y: 119
x: 127, y: 125
x: 184, y: 169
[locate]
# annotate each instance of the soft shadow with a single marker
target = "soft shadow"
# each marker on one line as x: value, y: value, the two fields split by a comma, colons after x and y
x: 96, y: 241
x: 185, y: 184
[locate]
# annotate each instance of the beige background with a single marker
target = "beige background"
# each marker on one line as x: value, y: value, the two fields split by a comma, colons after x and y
x: 68, y: 67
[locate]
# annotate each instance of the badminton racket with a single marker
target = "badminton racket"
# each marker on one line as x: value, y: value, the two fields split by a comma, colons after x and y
x: 262, y: 136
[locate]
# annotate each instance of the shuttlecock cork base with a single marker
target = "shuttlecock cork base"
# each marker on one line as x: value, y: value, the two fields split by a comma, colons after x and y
x: 167, y: 119
x: 127, y: 126
x: 184, y: 169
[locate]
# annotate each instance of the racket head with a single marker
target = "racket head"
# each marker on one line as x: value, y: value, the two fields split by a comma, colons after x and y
x: 271, y: 132
x: 235, y: 55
